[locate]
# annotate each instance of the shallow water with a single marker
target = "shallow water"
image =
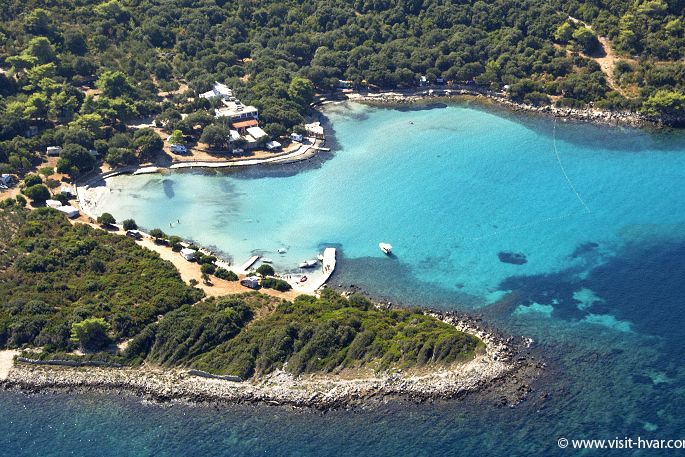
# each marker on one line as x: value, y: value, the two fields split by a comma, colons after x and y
x: 600, y: 224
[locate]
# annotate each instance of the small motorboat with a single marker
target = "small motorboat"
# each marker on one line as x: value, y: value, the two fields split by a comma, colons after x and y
x: 267, y: 260
x: 386, y: 248
x: 309, y: 263
x: 303, y: 279
x: 282, y: 250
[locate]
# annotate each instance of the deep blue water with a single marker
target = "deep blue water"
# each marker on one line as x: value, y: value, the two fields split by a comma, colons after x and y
x: 601, y: 290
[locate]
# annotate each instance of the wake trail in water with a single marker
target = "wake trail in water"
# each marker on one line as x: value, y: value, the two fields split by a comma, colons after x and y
x: 563, y: 170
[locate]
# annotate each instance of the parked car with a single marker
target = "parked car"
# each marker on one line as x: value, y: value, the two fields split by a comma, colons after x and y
x: 178, y: 149
x: 135, y: 234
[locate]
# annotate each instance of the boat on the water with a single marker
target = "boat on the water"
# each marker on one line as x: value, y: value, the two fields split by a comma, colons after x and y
x: 267, y: 260
x: 282, y: 250
x: 303, y: 278
x: 309, y: 263
x: 386, y: 248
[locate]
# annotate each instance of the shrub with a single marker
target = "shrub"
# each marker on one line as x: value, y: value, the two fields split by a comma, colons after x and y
x: 91, y: 334
x: 276, y: 284
x: 265, y: 270
x: 32, y: 179
x: 38, y: 194
x: 207, y: 268
x: 226, y: 275
x: 106, y: 219
x: 130, y: 224
x: 157, y: 234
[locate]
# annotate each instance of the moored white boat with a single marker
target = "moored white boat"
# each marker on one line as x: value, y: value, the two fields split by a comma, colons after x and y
x: 267, y: 260
x: 309, y: 263
x: 386, y: 248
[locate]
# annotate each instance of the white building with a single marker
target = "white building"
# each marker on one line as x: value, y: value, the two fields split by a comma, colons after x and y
x: 234, y: 110
x: 234, y: 135
x: 5, y: 181
x: 296, y: 137
x: 256, y: 132
x: 188, y: 254
x: 53, y: 203
x: 53, y: 151
x: 69, y: 210
x: 218, y: 91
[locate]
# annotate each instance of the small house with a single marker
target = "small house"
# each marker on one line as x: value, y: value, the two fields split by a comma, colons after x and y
x: 423, y: 81
x: 188, y: 254
x: 53, y: 203
x: 251, y: 282
x: 256, y: 132
x: 219, y: 90
x: 273, y: 145
x: 69, y: 211
x: 5, y: 180
x: 53, y: 151
x: 296, y: 137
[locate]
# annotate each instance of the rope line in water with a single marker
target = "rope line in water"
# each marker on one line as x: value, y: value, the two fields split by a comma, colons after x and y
x: 563, y: 170
x: 586, y: 208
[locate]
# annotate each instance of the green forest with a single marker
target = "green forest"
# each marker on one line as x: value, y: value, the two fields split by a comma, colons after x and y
x: 76, y: 72
x: 65, y: 287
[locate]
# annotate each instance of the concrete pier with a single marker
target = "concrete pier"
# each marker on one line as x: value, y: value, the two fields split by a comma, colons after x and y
x: 244, y: 268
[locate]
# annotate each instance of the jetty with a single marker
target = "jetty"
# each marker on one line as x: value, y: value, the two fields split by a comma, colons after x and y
x: 248, y: 263
x: 317, y: 281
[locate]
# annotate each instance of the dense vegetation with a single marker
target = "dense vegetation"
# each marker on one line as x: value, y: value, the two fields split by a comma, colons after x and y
x: 76, y: 72
x: 307, y: 335
x: 54, y: 274
x: 65, y: 286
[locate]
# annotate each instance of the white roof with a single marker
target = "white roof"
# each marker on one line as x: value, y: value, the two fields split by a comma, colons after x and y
x: 187, y: 251
x: 53, y: 203
x: 235, y: 135
x: 219, y: 90
x: 273, y: 145
x: 235, y: 109
x: 256, y: 132
x: 68, y: 210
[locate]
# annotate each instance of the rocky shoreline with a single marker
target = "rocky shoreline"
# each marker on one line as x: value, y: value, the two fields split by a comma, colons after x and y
x: 503, y: 374
x: 595, y: 115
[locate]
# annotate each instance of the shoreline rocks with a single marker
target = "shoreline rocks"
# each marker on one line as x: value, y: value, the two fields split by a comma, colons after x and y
x: 490, y: 374
x: 589, y: 114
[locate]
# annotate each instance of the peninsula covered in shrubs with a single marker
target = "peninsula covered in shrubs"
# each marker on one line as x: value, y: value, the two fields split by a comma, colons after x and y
x: 78, y: 294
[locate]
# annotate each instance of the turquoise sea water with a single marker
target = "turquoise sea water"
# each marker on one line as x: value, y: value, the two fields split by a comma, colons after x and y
x: 596, y: 212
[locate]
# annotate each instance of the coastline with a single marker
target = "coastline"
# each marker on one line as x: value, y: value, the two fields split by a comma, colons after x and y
x: 398, y: 98
x: 504, y: 373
